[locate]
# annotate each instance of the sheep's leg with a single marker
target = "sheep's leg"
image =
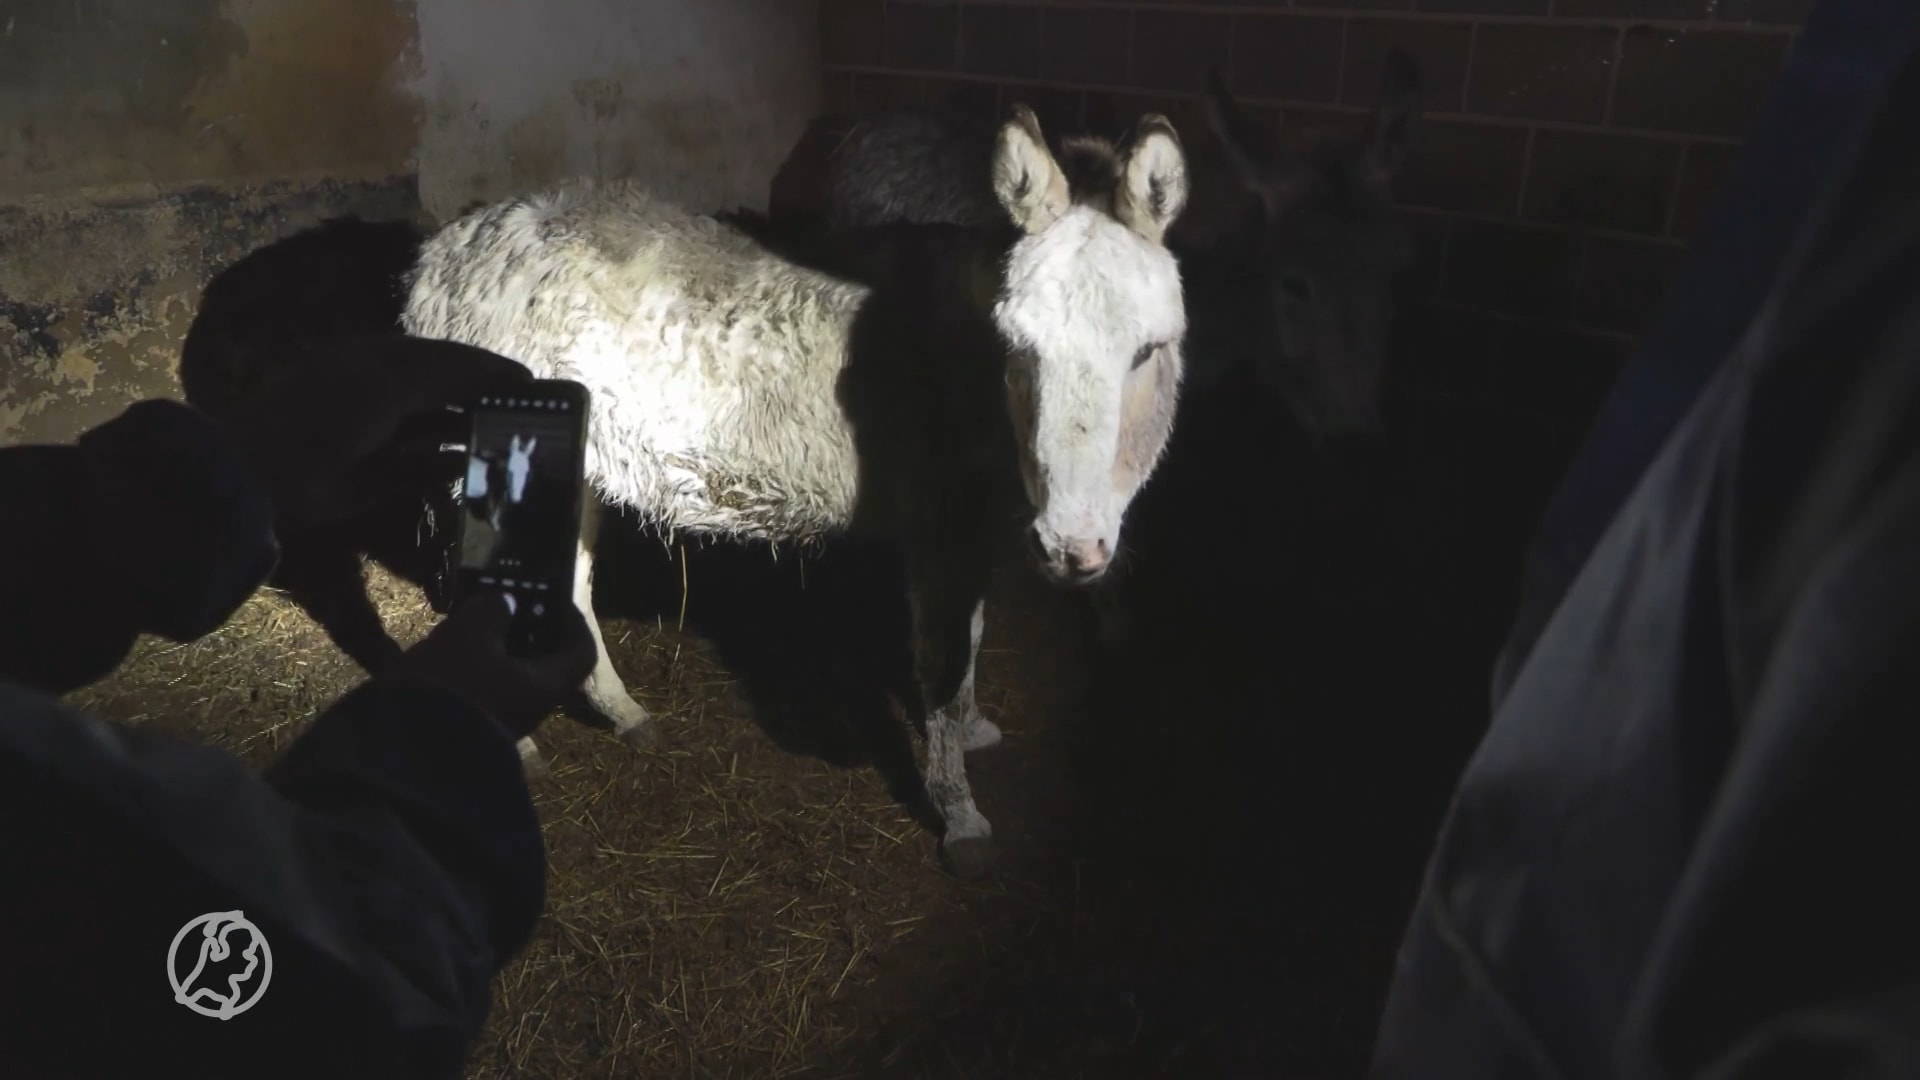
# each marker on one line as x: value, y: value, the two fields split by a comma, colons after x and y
x: 605, y: 692
x: 945, y: 613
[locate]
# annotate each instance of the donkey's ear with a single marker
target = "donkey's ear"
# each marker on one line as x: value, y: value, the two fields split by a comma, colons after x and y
x: 1265, y: 166
x: 1153, y: 179
x: 1029, y: 183
x: 1393, y: 115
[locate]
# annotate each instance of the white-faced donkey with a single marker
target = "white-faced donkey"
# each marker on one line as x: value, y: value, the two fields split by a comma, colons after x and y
x: 740, y: 395
x: 1295, y: 291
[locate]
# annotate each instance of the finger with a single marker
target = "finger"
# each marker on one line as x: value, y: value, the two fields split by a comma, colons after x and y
x: 570, y: 652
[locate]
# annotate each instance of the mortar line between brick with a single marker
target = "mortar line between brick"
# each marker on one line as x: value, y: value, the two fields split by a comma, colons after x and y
x: 1526, y: 173
x: 1340, y: 80
x: 1673, y: 191
x: 1466, y: 78
x: 1613, y: 76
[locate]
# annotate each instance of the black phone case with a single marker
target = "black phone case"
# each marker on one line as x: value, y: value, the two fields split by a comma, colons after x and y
x: 528, y: 631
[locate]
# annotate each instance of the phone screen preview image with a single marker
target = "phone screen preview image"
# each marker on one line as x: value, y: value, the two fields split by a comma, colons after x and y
x: 521, y: 523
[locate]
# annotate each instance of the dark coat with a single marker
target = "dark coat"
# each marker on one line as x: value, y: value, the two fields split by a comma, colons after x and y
x: 1683, y: 847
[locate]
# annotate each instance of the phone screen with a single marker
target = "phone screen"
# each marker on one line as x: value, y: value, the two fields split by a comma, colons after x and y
x: 520, y: 525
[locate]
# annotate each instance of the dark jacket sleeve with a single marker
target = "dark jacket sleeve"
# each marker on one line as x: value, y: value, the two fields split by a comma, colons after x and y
x: 391, y: 859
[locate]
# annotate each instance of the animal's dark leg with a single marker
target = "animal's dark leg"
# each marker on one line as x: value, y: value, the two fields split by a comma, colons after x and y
x: 976, y: 731
x: 946, y: 613
x: 326, y: 580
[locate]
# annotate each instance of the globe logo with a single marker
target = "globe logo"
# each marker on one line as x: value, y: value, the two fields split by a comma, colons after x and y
x: 219, y: 964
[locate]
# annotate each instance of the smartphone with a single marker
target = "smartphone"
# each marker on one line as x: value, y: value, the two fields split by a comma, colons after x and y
x: 520, y: 502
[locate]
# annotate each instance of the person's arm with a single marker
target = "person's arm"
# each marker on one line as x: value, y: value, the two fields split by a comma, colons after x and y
x: 406, y: 758
x: 391, y: 858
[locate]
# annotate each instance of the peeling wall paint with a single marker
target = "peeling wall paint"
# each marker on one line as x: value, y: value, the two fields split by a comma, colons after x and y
x: 145, y: 145
x: 700, y: 100
x: 91, y: 321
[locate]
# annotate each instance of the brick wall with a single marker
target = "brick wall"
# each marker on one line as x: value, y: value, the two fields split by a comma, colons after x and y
x: 1565, y: 154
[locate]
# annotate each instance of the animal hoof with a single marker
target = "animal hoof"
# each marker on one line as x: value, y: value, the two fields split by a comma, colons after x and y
x: 969, y: 856
x: 640, y: 736
x: 980, y: 734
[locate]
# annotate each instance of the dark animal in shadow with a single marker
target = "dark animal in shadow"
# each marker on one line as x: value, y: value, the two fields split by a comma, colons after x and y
x: 303, y: 301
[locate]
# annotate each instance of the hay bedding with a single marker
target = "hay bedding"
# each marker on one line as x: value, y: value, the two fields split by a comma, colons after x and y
x: 716, y: 906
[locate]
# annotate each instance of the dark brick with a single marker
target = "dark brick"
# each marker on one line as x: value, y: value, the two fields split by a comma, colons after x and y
x: 1704, y: 82
x: 1482, y: 7
x: 1000, y: 39
x: 873, y: 93
x: 1084, y: 45
x: 1562, y: 373
x: 1175, y: 49
x: 850, y: 31
x: 1114, y: 114
x: 1471, y: 168
x: 977, y: 99
x: 1290, y: 57
x: 1625, y: 282
x: 1061, y: 111
x: 1790, y: 12
x: 1305, y: 125
x: 1442, y: 348
x: 1542, y: 72
x: 1703, y: 174
x: 1439, y: 48
x: 1515, y: 269
x: 1429, y: 233
x: 1620, y: 182
x: 923, y: 37
x: 1635, y: 9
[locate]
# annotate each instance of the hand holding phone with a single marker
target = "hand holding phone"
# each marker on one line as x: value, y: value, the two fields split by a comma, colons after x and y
x: 522, y: 493
x: 469, y: 654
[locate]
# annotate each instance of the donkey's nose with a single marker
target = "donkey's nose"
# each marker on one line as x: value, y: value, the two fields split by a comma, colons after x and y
x: 1087, y: 558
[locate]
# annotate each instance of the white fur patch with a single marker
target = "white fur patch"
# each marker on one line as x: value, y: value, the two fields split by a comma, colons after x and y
x: 711, y: 363
x: 1079, y: 302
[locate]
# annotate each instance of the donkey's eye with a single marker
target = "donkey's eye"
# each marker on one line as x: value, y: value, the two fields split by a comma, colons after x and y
x: 1145, y: 354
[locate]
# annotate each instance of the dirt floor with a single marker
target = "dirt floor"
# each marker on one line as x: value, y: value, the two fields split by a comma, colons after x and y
x: 1209, y: 836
